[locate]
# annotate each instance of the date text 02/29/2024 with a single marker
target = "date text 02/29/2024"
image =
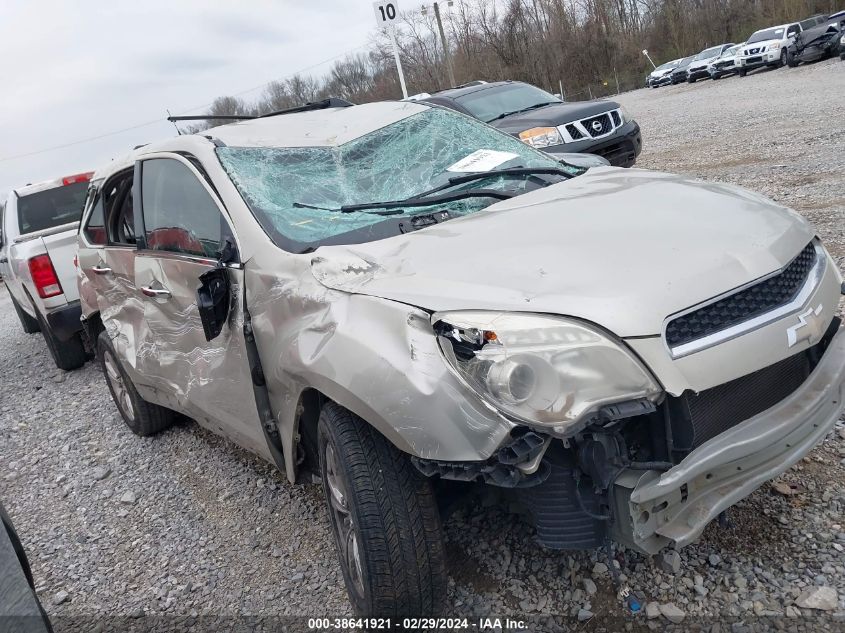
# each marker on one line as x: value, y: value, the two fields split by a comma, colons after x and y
x: 416, y: 624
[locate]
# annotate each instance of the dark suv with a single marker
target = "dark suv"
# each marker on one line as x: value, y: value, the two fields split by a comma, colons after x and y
x: 545, y: 122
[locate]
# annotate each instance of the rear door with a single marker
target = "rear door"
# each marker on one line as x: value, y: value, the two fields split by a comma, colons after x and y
x: 184, y: 228
x: 107, y: 247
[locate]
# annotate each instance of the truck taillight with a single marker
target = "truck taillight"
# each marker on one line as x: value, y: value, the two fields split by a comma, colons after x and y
x: 72, y: 180
x: 44, y: 277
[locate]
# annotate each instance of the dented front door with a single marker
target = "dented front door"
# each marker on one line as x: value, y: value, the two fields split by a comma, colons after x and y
x: 184, y: 228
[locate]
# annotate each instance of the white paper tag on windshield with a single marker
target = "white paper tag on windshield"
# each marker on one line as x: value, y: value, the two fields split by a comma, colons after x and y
x: 482, y: 160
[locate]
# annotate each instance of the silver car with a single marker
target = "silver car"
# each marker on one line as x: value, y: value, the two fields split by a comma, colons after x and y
x: 407, y: 305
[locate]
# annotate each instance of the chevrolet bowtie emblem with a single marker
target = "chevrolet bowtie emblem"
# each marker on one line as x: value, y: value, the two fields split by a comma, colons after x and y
x: 808, y: 328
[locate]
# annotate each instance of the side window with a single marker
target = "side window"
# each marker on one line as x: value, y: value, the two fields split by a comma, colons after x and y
x: 793, y: 30
x: 95, y: 230
x: 179, y: 214
x: 118, y: 208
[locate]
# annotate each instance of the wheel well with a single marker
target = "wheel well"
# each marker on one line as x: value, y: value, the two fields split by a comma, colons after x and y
x: 311, y: 402
x: 92, y: 325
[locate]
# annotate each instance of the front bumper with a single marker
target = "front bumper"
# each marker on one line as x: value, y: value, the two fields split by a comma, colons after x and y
x: 697, y: 73
x: 620, y: 148
x: 673, y: 508
x: 771, y: 58
x: 65, y: 322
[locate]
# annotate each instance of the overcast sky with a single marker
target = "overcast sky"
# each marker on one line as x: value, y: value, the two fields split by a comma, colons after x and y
x: 73, y: 70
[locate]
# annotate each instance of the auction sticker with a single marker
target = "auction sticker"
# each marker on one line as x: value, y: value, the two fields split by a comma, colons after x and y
x: 482, y: 160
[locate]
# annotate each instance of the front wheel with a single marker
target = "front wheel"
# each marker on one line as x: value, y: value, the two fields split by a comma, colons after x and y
x: 784, y: 57
x: 742, y: 72
x: 384, y: 518
x: 791, y: 61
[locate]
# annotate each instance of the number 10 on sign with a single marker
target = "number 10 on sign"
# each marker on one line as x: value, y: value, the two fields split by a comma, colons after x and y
x: 386, y: 15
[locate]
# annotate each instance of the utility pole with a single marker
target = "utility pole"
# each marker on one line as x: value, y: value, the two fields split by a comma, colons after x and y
x: 446, y: 52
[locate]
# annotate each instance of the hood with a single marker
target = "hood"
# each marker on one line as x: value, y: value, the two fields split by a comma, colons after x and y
x: 623, y: 248
x: 746, y: 50
x: 661, y: 73
x: 553, y: 115
x: 703, y: 63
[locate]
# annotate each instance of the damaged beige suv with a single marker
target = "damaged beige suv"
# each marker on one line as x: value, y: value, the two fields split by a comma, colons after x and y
x: 405, y: 303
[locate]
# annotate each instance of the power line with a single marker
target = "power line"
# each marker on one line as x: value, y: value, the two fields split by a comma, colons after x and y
x: 148, y: 123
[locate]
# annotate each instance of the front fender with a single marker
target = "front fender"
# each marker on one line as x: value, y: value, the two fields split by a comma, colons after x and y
x: 376, y: 357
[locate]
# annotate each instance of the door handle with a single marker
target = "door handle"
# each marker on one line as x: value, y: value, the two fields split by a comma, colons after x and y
x: 101, y: 270
x: 158, y: 293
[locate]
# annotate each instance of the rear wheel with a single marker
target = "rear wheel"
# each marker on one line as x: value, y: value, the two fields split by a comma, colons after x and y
x: 143, y: 418
x: 30, y: 324
x: 67, y: 355
x: 384, y: 518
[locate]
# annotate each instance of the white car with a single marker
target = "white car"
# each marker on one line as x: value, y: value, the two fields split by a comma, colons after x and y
x: 698, y: 67
x: 38, y: 229
x: 767, y: 47
x: 725, y: 64
x: 661, y: 75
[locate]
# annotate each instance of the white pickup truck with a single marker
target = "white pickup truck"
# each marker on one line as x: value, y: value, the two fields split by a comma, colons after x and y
x: 38, y: 228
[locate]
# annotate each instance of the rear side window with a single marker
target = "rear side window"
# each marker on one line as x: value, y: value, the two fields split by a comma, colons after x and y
x: 51, y: 208
x: 179, y: 214
x: 95, y: 230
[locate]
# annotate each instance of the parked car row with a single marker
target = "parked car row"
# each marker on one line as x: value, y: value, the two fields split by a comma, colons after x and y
x: 812, y: 39
x: 409, y: 305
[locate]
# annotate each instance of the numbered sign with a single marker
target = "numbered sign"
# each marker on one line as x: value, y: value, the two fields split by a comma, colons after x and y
x: 386, y: 12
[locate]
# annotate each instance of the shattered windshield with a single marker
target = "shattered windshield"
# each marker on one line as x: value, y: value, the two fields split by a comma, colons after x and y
x: 399, y: 161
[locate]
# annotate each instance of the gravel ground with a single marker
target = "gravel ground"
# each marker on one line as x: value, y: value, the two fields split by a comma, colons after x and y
x: 185, y: 524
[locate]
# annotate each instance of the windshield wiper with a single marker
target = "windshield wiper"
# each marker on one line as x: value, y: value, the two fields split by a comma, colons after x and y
x: 425, y: 198
x: 531, y: 107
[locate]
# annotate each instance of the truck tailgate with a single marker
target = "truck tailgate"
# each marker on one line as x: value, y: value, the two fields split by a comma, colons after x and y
x: 62, y: 249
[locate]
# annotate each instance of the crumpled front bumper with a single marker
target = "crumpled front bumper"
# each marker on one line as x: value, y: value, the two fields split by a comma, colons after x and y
x: 655, y: 510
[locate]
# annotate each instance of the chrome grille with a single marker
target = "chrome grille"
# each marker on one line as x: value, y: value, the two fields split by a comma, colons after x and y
x: 746, y: 304
x: 598, y: 125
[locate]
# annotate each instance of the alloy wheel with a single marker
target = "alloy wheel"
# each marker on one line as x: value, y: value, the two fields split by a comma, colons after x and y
x: 347, y: 539
x: 118, y: 385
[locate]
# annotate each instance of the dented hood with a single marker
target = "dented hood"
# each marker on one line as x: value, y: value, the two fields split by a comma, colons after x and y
x: 623, y: 248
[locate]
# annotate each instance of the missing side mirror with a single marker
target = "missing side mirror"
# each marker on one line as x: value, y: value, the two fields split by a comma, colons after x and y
x: 213, y: 301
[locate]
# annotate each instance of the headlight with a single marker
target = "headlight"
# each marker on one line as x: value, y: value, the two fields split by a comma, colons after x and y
x: 842, y: 40
x: 541, y: 136
x: 624, y: 114
x: 541, y: 370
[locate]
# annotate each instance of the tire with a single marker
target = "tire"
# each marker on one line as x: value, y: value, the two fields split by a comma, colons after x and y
x: 67, y: 355
x: 29, y: 324
x: 784, y: 56
x: 742, y: 72
x: 842, y: 56
x: 790, y: 60
x: 384, y: 518
x: 143, y: 418
x: 715, y: 77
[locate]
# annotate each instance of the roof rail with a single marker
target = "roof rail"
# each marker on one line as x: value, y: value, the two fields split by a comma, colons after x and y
x: 331, y: 102
x: 208, y: 117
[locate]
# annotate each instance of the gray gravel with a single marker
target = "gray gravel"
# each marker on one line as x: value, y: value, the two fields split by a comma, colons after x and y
x: 187, y: 524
